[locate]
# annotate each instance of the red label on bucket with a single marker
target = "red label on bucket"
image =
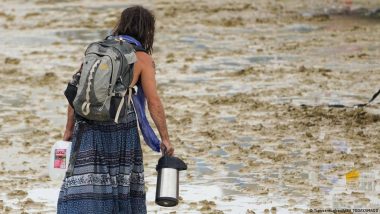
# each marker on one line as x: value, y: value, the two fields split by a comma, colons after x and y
x: 60, y: 159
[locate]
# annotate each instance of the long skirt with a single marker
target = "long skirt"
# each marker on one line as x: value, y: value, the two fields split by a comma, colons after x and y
x: 108, y: 175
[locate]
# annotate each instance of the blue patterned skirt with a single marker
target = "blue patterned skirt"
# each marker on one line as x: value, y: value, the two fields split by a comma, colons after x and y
x: 108, y: 174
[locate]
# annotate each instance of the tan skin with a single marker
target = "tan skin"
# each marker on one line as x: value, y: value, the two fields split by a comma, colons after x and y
x: 144, y: 68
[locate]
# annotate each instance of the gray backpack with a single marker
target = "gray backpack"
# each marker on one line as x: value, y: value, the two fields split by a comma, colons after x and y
x: 105, y: 79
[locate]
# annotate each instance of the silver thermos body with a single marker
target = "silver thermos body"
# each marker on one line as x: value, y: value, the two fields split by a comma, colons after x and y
x: 167, y: 189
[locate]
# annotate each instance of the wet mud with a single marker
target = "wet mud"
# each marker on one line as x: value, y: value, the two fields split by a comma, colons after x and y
x: 245, y: 87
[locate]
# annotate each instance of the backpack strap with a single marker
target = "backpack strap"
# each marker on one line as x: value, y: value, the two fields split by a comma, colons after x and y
x: 130, y: 89
x: 138, y: 48
x: 73, y: 157
x: 136, y: 44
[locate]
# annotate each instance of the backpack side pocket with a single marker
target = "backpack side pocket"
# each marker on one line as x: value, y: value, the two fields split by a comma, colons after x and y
x: 71, y: 89
x: 70, y: 93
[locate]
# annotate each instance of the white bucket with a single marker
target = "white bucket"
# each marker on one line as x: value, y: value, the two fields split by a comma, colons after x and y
x: 59, y: 159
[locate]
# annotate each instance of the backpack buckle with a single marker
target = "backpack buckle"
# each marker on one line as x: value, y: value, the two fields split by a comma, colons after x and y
x: 120, y: 40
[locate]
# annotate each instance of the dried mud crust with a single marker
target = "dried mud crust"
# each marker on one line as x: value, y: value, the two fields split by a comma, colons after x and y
x: 350, y: 123
x: 280, y: 131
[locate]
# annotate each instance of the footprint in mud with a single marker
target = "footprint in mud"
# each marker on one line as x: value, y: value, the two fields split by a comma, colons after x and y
x: 17, y: 194
x: 207, y: 205
x: 48, y: 78
x: 30, y: 204
x: 250, y: 212
x: 12, y: 61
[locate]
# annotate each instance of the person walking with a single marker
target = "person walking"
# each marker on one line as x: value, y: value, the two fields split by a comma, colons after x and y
x: 108, y: 172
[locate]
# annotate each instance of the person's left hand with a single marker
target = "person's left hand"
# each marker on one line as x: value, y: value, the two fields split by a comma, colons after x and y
x: 167, y: 147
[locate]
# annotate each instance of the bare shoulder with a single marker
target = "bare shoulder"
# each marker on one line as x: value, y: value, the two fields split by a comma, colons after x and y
x: 145, y: 59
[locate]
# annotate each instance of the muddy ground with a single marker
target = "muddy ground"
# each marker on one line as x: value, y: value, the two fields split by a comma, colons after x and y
x: 245, y: 86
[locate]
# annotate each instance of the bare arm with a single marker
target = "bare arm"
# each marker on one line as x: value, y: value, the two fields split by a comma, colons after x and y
x: 155, y: 106
x: 69, y: 124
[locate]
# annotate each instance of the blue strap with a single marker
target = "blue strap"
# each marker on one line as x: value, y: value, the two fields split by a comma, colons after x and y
x: 150, y: 137
x: 139, y: 102
x: 130, y: 39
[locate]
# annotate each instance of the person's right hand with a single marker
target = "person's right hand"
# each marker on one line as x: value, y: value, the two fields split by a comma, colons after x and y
x: 167, y: 147
x: 67, y: 135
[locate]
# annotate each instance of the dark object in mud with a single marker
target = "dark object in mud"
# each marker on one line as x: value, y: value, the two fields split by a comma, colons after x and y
x: 336, y: 105
x: 354, y: 106
x: 364, y: 12
x: 375, y: 13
